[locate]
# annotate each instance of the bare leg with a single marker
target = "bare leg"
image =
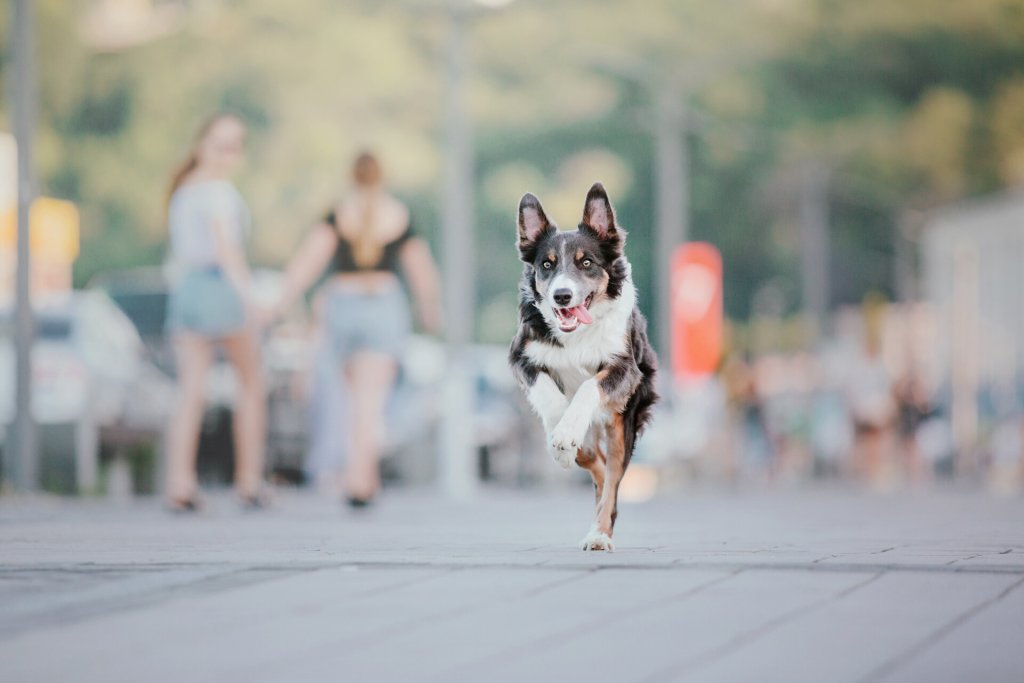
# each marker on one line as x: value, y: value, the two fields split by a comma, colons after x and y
x: 194, y: 357
x: 370, y: 377
x: 250, y: 413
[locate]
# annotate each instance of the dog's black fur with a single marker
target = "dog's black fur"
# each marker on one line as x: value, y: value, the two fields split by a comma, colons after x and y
x: 612, y: 349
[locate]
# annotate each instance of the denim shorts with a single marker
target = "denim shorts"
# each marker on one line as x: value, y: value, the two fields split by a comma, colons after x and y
x: 204, y: 302
x: 367, y: 321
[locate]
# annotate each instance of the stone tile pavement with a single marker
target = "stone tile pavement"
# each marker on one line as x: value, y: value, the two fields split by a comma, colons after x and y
x: 816, y: 585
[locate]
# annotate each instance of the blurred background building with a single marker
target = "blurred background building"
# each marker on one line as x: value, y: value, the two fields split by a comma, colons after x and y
x: 856, y: 166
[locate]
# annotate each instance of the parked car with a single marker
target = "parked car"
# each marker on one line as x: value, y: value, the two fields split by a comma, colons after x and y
x: 92, y: 382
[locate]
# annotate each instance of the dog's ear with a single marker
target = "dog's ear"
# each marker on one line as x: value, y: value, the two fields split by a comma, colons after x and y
x: 598, y: 213
x: 533, y: 223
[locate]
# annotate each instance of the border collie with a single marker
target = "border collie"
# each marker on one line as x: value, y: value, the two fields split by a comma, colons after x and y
x: 581, y: 352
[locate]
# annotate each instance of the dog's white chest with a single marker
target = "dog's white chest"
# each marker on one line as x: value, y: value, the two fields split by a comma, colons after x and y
x: 572, y: 364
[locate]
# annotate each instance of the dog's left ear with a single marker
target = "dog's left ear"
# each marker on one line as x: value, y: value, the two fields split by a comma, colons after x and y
x: 598, y: 213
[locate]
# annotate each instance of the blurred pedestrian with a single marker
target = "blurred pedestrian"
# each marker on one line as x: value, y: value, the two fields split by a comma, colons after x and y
x: 872, y: 401
x: 913, y: 409
x: 209, y: 306
x: 364, y: 242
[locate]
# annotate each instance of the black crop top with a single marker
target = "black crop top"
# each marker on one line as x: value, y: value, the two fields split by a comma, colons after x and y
x: 343, y: 260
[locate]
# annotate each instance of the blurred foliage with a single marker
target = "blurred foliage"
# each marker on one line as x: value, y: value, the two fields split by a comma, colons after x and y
x: 905, y: 105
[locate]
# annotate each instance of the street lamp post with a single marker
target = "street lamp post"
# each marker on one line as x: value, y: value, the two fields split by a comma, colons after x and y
x: 24, y: 463
x: 457, y: 204
x: 458, y: 463
x: 458, y: 457
x: 672, y: 181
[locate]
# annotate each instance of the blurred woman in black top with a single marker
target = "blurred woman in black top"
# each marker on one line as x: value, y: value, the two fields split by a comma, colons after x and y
x: 363, y: 243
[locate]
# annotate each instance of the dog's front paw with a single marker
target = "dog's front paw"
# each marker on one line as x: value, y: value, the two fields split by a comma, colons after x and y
x: 597, y: 540
x: 563, y: 456
x: 564, y: 442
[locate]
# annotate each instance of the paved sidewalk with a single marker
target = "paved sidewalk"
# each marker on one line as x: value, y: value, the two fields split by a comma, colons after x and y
x: 782, y: 586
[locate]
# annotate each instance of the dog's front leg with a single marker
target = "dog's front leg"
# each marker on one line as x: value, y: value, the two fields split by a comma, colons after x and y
x: 600, y: 535
x: 550, y: 404
x: 569, y: 434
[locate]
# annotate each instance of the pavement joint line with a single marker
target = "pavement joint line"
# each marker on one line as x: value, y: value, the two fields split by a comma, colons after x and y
x: 77, y: 613
x: 83, y: 610
x: 558, y: 582
x: 856, y: 567
x: 412, y: 581
x: 964, y: 559
x: 580, y: 630
x: 687, y: 666
x: 591, y: 564
x: 893, y: 665
x: 412, y: 623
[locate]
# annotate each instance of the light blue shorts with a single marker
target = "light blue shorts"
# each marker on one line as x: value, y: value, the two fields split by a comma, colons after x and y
x: 204, y: 302
x: 367, y: 321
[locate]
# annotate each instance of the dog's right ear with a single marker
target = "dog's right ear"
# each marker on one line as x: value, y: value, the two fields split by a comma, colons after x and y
x: 533, y: 224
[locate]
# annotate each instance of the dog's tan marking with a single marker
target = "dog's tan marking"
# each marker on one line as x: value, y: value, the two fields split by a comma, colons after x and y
x: 593, y: 462
x: 615, y: 467
x: 579, y: 254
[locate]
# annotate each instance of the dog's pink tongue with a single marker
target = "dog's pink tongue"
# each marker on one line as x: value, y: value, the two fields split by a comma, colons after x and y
x: 582, y: 314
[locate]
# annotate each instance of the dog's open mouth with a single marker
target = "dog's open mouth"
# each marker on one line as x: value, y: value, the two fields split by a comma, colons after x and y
x: 570, y: 318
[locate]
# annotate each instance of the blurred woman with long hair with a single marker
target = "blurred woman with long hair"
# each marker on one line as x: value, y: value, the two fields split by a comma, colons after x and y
x: 363, y: 243
x: 209, y: 306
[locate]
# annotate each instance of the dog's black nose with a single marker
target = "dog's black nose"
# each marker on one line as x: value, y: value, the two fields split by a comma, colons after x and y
x: 563, y: 296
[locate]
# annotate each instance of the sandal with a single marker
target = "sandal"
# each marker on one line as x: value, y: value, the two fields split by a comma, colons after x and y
x: 358, y: 503
x: 255, y: 502
x: 184, y: 506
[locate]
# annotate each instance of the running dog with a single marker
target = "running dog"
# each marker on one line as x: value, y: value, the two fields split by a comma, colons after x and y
x: 581, y: 352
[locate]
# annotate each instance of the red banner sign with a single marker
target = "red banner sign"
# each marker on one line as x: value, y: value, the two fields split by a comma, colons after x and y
x: 696, y: 310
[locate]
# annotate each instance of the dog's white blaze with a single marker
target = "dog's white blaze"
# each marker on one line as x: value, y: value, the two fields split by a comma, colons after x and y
x: 562, y: 282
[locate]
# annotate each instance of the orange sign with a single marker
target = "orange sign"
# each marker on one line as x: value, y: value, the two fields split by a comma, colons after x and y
x: 53, y: 230
x: 696, y: 310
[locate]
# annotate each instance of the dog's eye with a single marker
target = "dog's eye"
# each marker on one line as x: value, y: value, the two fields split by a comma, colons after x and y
x: 587, y: 263
x: 547, y: 265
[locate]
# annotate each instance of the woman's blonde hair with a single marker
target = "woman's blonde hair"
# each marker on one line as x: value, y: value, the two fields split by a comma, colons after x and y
x: 367, y: 176
x: 191, y: 160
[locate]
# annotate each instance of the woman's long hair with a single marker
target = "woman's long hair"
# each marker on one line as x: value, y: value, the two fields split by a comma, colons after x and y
x: 191, y: 160
x: 367, y: 176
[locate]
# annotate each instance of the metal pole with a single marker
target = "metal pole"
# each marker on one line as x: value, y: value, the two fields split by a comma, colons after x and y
x: 965, y: 347
x: 457, y: 208
x: 458, y: 458
x: 672, y: 179
x: 25, y: 461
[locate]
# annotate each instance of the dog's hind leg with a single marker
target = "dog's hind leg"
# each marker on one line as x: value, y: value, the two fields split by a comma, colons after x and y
x: 600, y: 535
